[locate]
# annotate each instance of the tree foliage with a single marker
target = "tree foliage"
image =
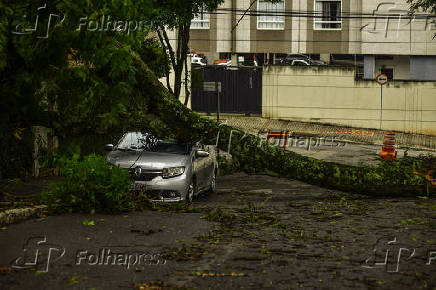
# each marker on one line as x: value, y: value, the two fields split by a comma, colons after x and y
x: 426, y: 5
x: 69, y: 76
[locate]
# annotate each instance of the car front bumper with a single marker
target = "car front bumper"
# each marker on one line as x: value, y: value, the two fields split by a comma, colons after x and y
x: 164, y: 190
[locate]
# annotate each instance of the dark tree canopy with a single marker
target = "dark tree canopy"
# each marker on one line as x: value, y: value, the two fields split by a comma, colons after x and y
x: 426, y: 5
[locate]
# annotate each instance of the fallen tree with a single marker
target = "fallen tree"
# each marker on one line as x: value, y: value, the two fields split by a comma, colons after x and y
x: 253, y: 156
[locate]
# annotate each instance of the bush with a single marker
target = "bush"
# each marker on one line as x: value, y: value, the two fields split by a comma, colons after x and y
x: 91, y: 185
x: 227, y: 166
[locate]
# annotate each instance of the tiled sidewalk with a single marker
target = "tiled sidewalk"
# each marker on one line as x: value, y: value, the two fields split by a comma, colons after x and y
x: 254, y: 125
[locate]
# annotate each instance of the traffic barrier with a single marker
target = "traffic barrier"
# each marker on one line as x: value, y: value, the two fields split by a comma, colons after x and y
x: 388, y: 152
x: 282, y: 136
x: 431, y: 177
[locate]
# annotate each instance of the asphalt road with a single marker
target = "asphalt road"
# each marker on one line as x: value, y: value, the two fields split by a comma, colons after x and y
x: 256, y: 232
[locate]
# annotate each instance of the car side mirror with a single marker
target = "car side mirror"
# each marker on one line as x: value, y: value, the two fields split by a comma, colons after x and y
x: 109, y: 147
x: 201, y: 153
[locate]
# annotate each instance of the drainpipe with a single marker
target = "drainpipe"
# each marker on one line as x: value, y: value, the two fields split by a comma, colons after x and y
x: 299, y: 24
x: 233, y: 46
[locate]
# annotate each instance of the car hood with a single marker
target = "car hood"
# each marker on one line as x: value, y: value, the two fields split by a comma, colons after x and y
x: 147, y: 160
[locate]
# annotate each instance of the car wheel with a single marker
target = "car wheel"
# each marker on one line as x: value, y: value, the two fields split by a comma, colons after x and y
x: 190, y: 193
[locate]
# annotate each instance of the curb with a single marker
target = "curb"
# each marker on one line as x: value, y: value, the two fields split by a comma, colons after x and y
x: 20, y: 214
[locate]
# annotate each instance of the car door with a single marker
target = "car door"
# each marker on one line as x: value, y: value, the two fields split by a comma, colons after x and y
x: 210, y: 163
x: 200, y: 167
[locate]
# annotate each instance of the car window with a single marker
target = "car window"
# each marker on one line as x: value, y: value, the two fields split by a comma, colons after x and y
x: 299, y: 63
x: 134, y: 141
x: 145, y: 141
x: 297, y: 56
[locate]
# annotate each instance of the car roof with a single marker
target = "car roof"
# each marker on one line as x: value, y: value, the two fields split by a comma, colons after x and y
x: 297, y: 55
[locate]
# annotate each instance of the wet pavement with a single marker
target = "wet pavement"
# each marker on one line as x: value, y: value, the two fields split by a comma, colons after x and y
x: 255, y: 232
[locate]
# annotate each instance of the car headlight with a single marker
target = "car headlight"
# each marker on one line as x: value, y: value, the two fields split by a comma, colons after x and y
x: 172, y: 172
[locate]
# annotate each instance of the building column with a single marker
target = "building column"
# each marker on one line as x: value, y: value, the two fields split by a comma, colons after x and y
x: 325, y: 57
x: 369, y: 67
x: 234, y: 59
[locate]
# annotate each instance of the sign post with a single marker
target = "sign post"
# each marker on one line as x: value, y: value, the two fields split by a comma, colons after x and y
x: 214, y: 87
x: 381, y: 79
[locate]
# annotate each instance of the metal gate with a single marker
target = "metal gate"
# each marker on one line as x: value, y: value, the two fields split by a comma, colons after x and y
x: 241, y: 90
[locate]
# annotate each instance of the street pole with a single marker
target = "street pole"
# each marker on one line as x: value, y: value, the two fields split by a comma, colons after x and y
x: 381, y: 106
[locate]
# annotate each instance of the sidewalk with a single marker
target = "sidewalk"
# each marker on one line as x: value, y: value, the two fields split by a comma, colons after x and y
x: 19, y: 200
x: 255, y: 125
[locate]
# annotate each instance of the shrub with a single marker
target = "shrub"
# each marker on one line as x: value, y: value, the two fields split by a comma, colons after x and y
x: 90, y: 185
x: 227, y: 166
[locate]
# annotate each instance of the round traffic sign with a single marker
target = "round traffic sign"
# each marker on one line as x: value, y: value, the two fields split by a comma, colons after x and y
x: 382, y: 79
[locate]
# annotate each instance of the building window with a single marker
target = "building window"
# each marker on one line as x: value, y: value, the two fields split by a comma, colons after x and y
x: 328, y: 14
x: 389, y: 72
x: 271, y: 16
x: 201, y: 20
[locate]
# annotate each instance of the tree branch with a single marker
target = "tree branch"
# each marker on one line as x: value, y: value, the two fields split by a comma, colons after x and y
x: 169, y: 47
x: 167, y: 70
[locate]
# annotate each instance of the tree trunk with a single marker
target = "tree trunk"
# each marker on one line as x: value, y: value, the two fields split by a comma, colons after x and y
x: 181, y: 55
x: 187, y: 81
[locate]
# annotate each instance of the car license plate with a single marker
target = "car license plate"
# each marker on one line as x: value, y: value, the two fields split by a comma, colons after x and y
x: 140, y: 186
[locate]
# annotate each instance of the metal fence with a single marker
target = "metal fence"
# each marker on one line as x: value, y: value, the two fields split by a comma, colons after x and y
x: 241, y: 89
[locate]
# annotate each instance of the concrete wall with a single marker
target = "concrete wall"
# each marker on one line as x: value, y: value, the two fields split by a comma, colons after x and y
x: 332, y: 95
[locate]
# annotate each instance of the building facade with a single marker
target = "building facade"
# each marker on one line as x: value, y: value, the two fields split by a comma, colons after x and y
x: 380, y: 36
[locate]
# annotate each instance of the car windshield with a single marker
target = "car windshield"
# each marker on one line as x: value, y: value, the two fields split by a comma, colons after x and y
x: 170, y: 146
x: 144, y: 141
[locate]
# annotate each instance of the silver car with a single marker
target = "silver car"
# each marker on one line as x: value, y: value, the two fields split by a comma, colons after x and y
x: 165, y: 170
